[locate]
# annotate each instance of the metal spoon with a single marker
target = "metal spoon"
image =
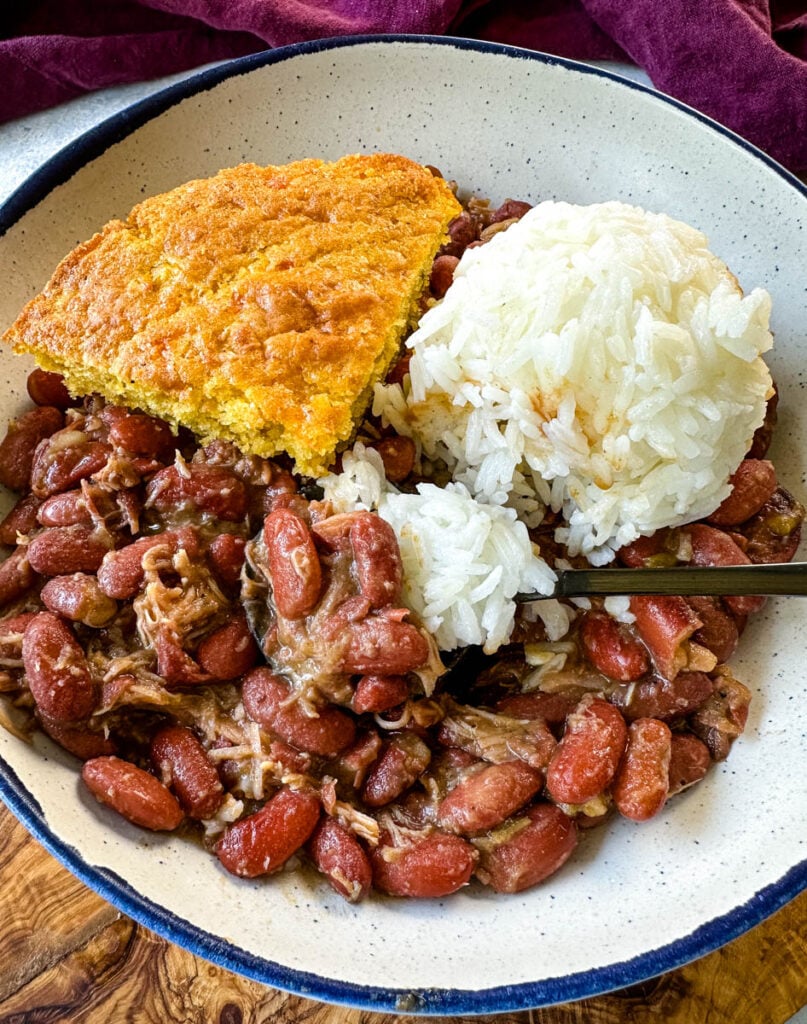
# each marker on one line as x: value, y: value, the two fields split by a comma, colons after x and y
x: 783, y: 579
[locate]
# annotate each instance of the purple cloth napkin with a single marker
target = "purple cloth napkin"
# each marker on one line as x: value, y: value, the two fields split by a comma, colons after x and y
x: 743, y: 62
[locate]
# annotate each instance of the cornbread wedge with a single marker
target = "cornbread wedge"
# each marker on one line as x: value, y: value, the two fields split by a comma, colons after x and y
x: 259, y: 305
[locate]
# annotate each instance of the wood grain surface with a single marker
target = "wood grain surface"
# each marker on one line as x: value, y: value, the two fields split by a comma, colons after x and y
x: 67, y: 955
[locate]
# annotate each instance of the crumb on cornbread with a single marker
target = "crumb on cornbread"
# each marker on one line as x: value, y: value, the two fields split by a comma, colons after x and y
x: 259, y: 305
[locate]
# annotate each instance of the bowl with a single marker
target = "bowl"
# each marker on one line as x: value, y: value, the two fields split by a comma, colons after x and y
x: 636, y: 900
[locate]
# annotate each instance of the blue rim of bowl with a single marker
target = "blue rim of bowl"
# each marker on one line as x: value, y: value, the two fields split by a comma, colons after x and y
x: 428, y: 1001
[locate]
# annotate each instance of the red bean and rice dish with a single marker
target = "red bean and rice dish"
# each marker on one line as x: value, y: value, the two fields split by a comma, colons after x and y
x: 228, y: 651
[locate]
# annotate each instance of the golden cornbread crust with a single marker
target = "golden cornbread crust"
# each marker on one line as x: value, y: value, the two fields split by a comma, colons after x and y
x: 259, y: 305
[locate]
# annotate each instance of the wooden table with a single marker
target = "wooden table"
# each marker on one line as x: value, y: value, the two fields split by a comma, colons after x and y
x: 67, y: 955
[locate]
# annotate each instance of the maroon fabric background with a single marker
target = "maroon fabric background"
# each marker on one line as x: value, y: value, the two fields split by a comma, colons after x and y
x: 743, y: 62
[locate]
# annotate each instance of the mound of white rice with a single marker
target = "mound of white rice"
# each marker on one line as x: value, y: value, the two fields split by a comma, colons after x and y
x: 463, y: 560
x: 599, y: 359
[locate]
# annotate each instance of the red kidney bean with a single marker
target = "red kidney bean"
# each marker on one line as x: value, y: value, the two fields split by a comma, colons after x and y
x: 11, y: 634
x: 353, y: 763
x: 47, y: 388
x: 65, y: 509
x: 533, y: 853
x: 341, y: 858
x: 132, y: 792
x: 587, y: 757
x: 657, y: 550
x: 64, y: 459
x: 262, y: 843
x: 377, y: 559
x: 180, y: 761
x: 380, y: 646
x: 753, y: 482
x: 230, y: 651
x: 138, y: 433
x: 714, y: 547
x: 214, y: 490
x: 553, y: 708
x: 121, y: 573
x: 78, y: 740
x: 18, y: 447
x: 721, y: 719
x: 719, y: 632
x: 379, y: 693
x: 266, y: 697
x: 425, y: 868
x: 664, y: 624
x: 16, y: 576
x: 642, y: 782
x: 764, y: 433
x: 511, y: 209
x: 293, y: 564
x: 689, y: 761
x: 484, y: 799
x: 397, y: 454
x: 461, y: 231
x: 442, y: 274
x: 404, y: 759
x: 774, y: 533
x: 79, y: 598
x: 20, y: 520
x: 174, y: 664
x: 400, y: 369
x: 61, y: 550
x: 292, y: 759
x: 664, y: 699
x: 612, y: 648
x: 226, y: 554
x: 56, y: 670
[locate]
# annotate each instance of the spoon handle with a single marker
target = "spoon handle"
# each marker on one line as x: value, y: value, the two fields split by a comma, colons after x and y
x: 788, y: 579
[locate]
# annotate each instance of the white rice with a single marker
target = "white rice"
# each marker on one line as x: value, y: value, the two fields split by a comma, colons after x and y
x: 598, y: 359
x: 463, y: 560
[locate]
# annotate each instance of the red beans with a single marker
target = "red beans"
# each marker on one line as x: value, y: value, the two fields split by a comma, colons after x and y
x: 752, y: 484
x: 46, y: 388
x: 398, y: 456
x: 689, y: 761
x: 484, y: 799
x: 380, y: 646
x: 718, y: 631
x: 293, y: 563
x: 404, y: 759
x: 714, y: 547
x: 587, y: 757
x: 442, y: 274
x: 267, y: 702
x: 79, y: 598
x: 20, y: 520
x: 642, y: 782
x: 121, y: 572
x: 179, y: 759
x: 426, y: 868
x: 613, y: 649
x: 214, y: 490
x: 226, y: 554
x: 61, y: 550
x: 56, y: 670
x: 341, y: 858
x: 77, y: 739
x: 64, y: 459
x: 230, y: 651
x: 138, y: 433
x: 262, y: 843
x: 133, y: 793
x: 721, y: 719
x: 377, y: 560
x: 532, y: 853
x: 665, y: 624
x: 65, y: 509
x: 664, y: 698
x: 18, y: 447
x: 16, y: 576
x: 379, y: 693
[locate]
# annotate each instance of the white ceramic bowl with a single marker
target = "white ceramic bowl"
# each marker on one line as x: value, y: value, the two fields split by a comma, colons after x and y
x: 635, y: 900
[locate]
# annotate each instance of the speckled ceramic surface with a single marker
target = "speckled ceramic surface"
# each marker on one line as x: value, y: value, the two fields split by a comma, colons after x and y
x: 635, y: 900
